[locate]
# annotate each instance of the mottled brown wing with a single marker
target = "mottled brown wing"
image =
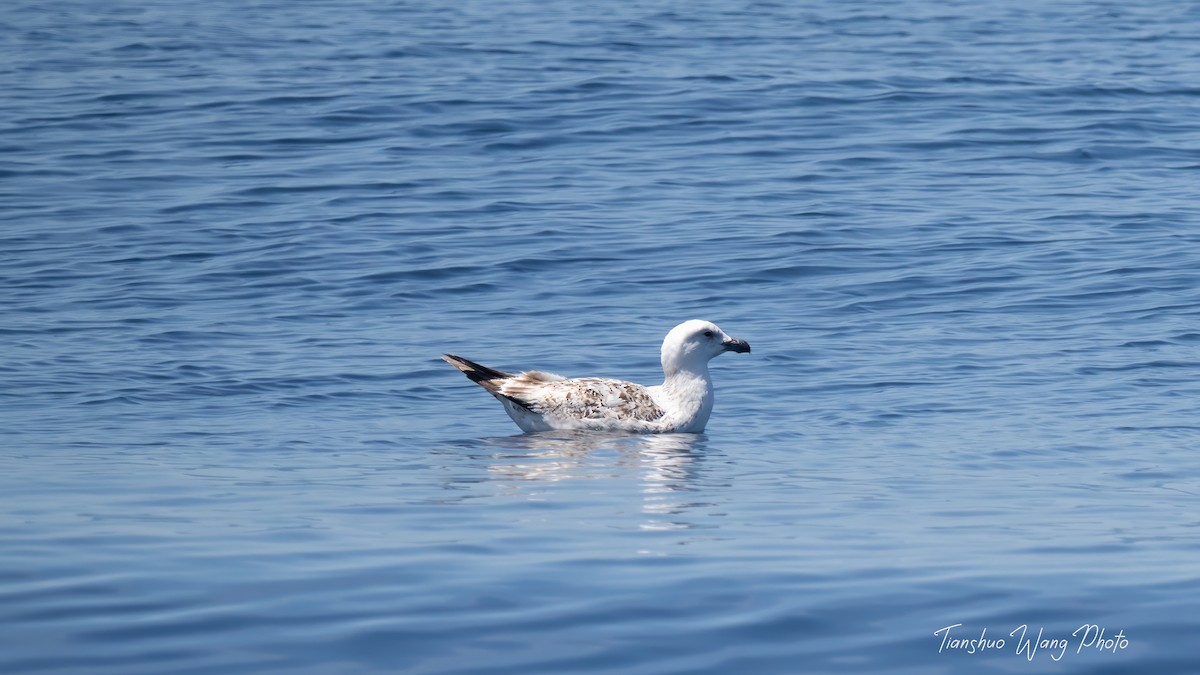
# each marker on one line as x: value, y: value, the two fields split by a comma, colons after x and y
x: 590, y: 398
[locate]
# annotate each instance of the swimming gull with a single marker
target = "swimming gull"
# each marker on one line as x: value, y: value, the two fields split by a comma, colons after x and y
x: 539, y: 401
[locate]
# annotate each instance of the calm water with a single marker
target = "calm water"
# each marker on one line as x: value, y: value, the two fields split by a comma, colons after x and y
x: 963, y: 240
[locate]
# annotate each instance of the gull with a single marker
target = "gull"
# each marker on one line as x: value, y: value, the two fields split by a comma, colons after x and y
x: 539, y: 401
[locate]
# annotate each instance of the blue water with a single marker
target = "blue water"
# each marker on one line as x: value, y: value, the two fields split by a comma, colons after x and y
x: 962, y: 238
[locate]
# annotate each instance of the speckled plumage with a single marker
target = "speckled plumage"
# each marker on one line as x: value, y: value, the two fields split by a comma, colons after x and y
x: 539, y: 401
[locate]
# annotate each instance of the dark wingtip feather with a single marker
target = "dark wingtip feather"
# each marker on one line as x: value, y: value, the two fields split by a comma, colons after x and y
x: 474, y: 371
x: 488, y: 378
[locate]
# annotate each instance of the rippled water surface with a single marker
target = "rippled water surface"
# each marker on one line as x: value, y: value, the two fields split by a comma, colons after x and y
x: 963, y: 240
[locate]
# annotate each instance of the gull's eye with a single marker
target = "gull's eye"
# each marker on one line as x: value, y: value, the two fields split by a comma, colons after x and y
x: 708, y: 333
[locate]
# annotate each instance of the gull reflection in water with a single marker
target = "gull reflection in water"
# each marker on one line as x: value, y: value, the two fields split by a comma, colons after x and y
x: 664, y: 466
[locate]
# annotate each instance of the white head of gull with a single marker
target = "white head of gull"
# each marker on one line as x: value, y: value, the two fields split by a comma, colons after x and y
x: 539, y: 401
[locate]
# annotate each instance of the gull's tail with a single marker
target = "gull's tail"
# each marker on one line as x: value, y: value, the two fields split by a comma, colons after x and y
x: 488, y: 378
